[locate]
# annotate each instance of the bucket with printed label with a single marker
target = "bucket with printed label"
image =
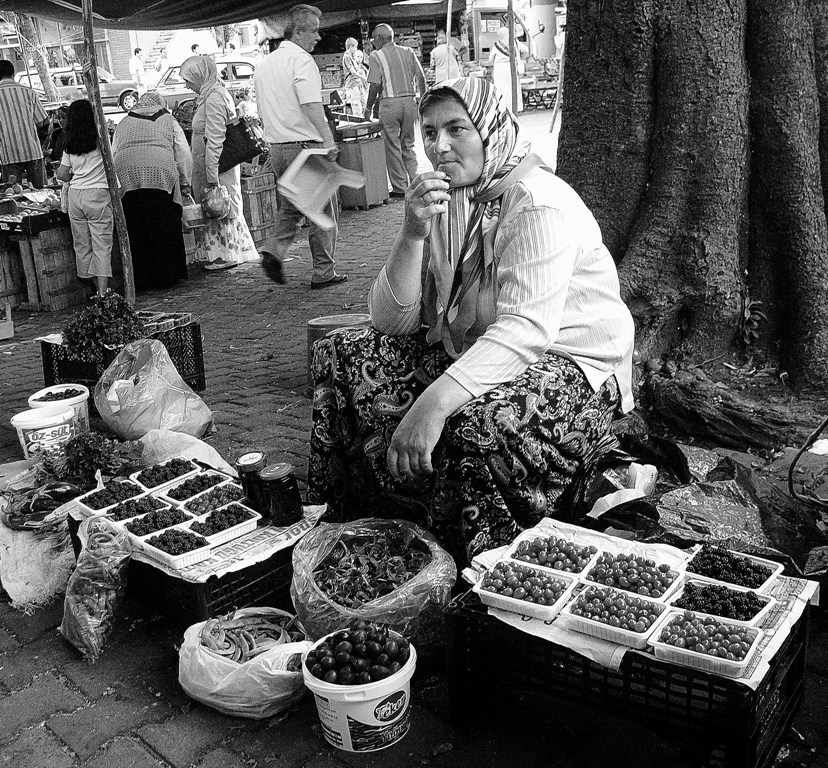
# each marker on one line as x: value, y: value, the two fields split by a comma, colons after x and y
x: 76, y: 395
x: 44, y: 429
x: 364, y: 718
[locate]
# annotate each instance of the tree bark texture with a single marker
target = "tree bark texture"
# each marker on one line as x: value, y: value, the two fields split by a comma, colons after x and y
x: 29, y: 43
x: 693, y: 131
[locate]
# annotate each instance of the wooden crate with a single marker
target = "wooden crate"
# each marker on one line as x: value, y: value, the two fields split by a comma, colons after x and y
x: 366, y: 155
x: 260, y: 205
x: 12, y: 277
x: 261, y: 233
x: 49, y: 265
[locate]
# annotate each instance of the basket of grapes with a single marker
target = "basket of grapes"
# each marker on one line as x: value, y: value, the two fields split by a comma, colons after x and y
x: 553, y: 553
x: 183, y: 491
x: 177, y: 547
x: 613, y: 614
x: 706, y: 643
x: 523, y: 589
x: 717, y: 564
x: 213, y: 498
x: 633, y: 573
x: 735, y: 605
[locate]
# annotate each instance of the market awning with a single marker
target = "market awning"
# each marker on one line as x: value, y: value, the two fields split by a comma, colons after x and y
x: 181, y: 14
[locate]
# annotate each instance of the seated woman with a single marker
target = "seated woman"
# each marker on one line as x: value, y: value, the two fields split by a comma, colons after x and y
x: 500, y: 349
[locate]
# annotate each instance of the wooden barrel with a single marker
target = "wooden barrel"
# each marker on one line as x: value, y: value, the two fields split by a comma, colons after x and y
x: 259, y: 205
x: 319, y: 327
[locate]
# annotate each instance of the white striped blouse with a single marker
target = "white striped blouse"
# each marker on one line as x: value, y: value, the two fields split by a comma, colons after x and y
x: 20, y: 113
x: 556, y: 289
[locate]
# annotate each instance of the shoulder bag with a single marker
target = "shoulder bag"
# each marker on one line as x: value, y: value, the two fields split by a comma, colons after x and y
x: 242, y: 142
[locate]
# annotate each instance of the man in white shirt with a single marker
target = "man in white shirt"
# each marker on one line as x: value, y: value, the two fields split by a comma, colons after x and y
x: 136, y: 71
x: 444, y: 60
x: 289, y: 94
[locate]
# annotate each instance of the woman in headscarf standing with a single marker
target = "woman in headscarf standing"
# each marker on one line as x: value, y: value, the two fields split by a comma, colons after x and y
x: 355, y: 77
x: 223, y: 243
x: 154, y: 166
x: 500, y: 347
x: 502, y: 67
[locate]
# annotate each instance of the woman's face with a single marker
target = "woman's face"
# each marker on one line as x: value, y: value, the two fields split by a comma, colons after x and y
x: 452, y: 143
x: 191, y: 85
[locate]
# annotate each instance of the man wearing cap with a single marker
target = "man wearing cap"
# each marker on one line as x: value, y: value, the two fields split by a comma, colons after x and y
x: 289, y: 95
x: 396, y: 73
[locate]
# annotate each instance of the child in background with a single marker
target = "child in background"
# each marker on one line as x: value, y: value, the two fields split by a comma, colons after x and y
x: 90, y: 207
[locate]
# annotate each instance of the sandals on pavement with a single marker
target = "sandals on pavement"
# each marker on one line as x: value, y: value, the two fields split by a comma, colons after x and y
x: 220, y: 264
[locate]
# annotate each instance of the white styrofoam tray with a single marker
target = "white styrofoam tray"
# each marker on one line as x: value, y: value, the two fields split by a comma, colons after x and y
x: 88, y: 511
x: 715, y: 664
x: 776, y: 570
x: 180, y: 502
x: 228, y: 534
x: 208, y: 491
x: 617, y: 635
x: 756, y: 621
x: 124, y: 520
x: 671, y: 589
x: 176, y: 561
x: 138, y: 541
x: 510, y: 554
x: 155, y: 489
x: 524, y: 608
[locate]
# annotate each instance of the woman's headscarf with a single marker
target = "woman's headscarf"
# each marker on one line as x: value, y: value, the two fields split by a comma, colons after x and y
x: 150, y: 103
x: 462, y: 243
x: 200, y: 71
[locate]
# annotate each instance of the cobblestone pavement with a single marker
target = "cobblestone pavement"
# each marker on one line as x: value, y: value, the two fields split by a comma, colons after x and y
x: 127, y: 711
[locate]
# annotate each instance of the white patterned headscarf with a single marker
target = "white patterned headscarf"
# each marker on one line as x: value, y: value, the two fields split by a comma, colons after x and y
x: 460, y: 245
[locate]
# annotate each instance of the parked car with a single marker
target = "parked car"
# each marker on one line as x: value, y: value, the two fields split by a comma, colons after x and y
x: 70, y: 86
x: 236, y: 73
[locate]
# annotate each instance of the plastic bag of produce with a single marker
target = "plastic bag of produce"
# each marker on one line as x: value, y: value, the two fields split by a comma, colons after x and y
x: 142, y: 390
x: 216, y: 202
x: 246, y: 664
x: 386, y: 571
x: 96, y: 587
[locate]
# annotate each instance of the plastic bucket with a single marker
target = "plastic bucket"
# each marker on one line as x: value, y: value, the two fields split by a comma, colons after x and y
x: 80, y: 402
x: 364, y: 718
x: 44, y: 429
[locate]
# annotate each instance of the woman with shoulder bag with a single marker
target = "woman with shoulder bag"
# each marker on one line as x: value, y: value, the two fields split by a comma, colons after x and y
x: 224, y: 242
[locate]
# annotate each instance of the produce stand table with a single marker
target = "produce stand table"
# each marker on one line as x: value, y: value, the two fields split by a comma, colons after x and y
x: 729, y: 724
x: 254, y: 569
x: 540, y: 94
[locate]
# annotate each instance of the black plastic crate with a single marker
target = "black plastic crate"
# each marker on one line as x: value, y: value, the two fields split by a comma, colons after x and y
x: 723, y: 723
x: 183, y: 345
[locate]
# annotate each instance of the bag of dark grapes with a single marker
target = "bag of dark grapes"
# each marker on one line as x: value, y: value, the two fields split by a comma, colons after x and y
x: 386, y: 571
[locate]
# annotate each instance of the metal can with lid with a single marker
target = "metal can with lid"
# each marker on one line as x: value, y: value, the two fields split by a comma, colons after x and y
x: 249, y: 467
x: 281, y: 493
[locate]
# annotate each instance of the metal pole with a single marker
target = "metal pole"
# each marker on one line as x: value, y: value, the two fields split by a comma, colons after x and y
x: 90, y: 74
x: 512, y: 63
x: 448, y: 36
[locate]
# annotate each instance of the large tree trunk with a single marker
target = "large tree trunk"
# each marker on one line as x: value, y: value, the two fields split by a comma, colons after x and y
x: 30, y: 45
x: 692, y: 129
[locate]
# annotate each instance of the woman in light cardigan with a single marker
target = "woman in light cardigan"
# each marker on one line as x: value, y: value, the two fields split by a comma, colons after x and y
x: 500, y: 348
x: 154, y: 167
x: 223, y: 243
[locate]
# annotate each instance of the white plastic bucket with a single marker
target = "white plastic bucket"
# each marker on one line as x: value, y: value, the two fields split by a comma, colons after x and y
x: 44, y: 429
x: 80, y: 403
x: 364, y: 718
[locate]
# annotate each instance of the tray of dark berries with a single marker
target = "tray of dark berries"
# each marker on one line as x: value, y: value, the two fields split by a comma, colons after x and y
x: 161, y: 476
x: 717, y: 564
x: 226, y: 523
x: 732, y: 604
x: 633, y: 573
x: 130, y: 508
x: 112, y: 494
x: 525, y: 589
x: 213, y: 498
x: 613, y: 614
x: 182, y: 491
x: 556, y: 554
x: 155, y: 521
x: 177, y: 547
x: 705, y: 642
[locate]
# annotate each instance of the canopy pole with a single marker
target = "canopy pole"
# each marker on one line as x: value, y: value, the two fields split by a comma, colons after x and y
x: 448, y: 37
x: 512, y: 49
x: 90, y: 74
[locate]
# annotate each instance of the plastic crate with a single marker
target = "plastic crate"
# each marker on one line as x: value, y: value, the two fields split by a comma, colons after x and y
x: 183, y: 345
x: 721, y: 722
x: 185, y: 603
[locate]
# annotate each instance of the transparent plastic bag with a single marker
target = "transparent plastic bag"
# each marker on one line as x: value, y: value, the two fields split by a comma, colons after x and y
x: 96, y: 587
x: 216, y: 202
x: 401, y: 609
x: 260, y: 687
x: 142, y: 390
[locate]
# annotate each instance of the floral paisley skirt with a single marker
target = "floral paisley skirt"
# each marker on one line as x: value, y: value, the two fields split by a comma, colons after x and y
x: 503, y: 459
